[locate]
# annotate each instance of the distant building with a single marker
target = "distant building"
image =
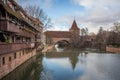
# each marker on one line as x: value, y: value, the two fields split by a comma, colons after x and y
x: 19, y: 36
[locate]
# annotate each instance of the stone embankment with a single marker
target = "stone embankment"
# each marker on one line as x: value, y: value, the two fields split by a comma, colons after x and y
x: 48, y: 48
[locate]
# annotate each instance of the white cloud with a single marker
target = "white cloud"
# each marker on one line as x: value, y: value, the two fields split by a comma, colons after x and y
x: 64, y: 62
x: 63, y: 23
x: 97, y: 13
x: 95, y: 3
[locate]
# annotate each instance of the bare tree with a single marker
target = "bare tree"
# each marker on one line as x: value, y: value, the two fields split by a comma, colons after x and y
x: 100, y: 41
x: 114, y: 35
x: 113, y: 39
x: 84, y: 31
x: 38, y: 13
x: 116, y: 27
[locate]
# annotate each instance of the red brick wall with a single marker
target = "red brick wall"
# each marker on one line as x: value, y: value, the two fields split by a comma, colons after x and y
x: 55, y: 40
x: 10, y: 65
x: 113, y: 49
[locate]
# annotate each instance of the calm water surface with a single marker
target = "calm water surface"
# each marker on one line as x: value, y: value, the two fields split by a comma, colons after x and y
x: 69, y: 65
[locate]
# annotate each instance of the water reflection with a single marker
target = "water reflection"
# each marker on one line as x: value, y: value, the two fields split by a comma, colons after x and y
x: 77, y: 65
x: 65, y: 65
x: 59, y: 49
x: 69, y: 65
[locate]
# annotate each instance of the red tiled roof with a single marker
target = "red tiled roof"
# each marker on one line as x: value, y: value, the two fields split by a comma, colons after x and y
x: 58, y: 34
x: 74, y: 26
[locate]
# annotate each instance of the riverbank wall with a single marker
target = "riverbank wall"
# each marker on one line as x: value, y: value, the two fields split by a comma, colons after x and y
x: 113, y: 49
x: 10, y: 61
x: 48, y: 48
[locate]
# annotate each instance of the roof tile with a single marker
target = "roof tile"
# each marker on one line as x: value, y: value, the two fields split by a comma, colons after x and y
x: 74, y: 26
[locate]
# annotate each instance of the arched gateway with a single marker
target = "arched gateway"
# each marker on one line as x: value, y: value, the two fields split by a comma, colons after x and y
x: 72, y: 36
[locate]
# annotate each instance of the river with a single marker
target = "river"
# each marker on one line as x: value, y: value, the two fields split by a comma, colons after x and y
x: 69, y: 65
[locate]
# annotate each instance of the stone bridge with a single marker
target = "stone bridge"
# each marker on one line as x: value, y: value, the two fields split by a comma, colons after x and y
x: 57, y: 40
x: 53, y: 37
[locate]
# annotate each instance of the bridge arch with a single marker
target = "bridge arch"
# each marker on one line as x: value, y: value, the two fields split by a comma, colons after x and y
x: 62, y: 43
x: 55, y: 40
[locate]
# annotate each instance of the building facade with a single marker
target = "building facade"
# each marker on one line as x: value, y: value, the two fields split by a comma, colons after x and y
x: 19, y: 36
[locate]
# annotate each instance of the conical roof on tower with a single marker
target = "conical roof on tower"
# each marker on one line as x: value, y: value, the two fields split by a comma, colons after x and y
x: 74, y: 26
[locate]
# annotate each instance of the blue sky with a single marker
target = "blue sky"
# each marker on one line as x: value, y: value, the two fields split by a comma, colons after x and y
x: 87, y: 13
x: 62, y: 7
x: 54, y: 8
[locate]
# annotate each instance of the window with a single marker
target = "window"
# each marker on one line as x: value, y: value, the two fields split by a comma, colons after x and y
x: 23, y: 52
x: 20, y: 53
x: 2, y: 38
x: 0, y: 61
x: 15, y: 56
x: 3, y: 60
x: 13, y: 39
x: 18, y: 38
x: 10, y: 58
x: 0, y: 14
